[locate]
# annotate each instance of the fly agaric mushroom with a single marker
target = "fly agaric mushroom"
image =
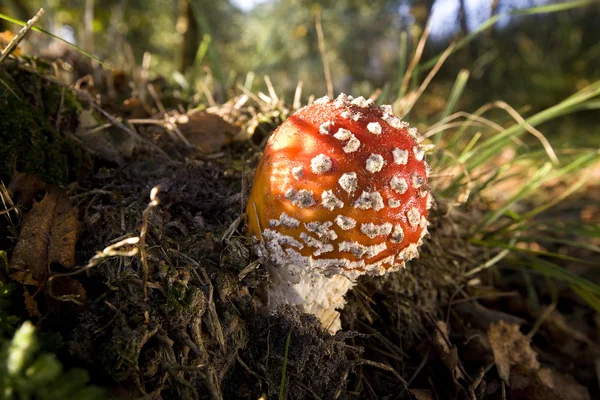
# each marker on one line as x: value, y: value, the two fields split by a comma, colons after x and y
x: 341, y: 191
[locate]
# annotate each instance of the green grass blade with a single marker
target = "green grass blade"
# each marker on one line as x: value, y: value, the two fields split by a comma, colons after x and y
x: 213, y: 55
x: 284, y: 367
x: 42, y: 30
x: 456, y: 93
x: 493, y: 145
x: 590, y: 298
x: 203, y: 49
x: 544, y: 174
x: 577, y: 229
x: 471, y: 144
x: 533, y: 184
x: 538, y: 253
x: 556, y: 271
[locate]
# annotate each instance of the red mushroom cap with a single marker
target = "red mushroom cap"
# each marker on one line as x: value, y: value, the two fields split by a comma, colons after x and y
x: 342, y: 187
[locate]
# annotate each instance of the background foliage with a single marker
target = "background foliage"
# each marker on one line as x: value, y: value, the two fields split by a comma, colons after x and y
x: 530, y: 61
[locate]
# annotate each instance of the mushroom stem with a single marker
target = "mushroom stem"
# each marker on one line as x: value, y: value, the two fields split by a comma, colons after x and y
x: 312, y: 293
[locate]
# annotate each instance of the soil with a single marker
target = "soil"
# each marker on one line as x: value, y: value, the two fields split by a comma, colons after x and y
x: 182, y: 318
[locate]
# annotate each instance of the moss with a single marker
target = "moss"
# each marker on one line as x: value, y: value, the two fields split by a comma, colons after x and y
x: 33, y: 114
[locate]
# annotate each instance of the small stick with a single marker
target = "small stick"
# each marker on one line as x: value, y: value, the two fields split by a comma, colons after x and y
x: 143, y: 231
x: 17, y: 39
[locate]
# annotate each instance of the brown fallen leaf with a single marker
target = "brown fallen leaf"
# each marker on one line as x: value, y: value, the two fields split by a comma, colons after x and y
x: 510, y: 348
x: 422, y: 394
x: 31, y: 252
x: 25, y: 189
x: 565, y: 386
x: 448, y: 354
x: 30, y: 304
x: 517, y: 365
x: 64, y: 233
x: 48, y: 235
x: 208, y: 132
x: 24, y: 277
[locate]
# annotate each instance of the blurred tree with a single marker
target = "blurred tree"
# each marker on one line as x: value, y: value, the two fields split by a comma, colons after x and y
x: 186, y: 25
x: 421, y: 10
x: 202, y: 19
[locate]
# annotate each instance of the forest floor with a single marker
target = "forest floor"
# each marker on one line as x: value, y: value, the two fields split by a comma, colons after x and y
x: 122, y: 223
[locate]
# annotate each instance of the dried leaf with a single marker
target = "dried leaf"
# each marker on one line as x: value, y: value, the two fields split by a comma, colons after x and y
x: 26, y: 189
x: 64, y: 233
x: 517, y: 365
x: 30, y: 304
x: 31, y: 251
x: 48, y: 236
x: 565, y: 386
x: 422, y: 394
x: 511, y: 348
x: 25, y: 278
x: 448, y: 355
x: 208, y: 132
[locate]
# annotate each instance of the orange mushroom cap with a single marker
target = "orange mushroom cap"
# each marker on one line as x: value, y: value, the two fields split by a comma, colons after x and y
x: 342, y: 187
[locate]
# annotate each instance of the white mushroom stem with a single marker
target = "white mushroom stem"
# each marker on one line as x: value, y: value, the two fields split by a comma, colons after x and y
x: 310, y: 292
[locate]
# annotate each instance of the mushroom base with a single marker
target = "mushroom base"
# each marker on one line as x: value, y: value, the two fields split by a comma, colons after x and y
x: 312, y: 292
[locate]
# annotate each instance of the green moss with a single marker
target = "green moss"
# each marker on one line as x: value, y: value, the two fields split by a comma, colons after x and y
x: 33, y: 113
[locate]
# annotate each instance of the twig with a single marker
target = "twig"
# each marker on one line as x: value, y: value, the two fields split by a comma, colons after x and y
x: 8, y: 210
x: 110, y: 251
x: 323, y: 51
x: 17, y: 39
x: 143, y: 231
x: 384, y: 367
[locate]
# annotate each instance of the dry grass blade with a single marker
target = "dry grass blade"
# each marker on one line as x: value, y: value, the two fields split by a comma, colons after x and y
x: 271, y: 89
x: 439, y: 126
x: 297, y: 96
x: 323, y: 51
x: 415, y: 60
x: 8, y: 204
x: 384, y: 367
x: 413, y: 97
x: 539, y: 135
